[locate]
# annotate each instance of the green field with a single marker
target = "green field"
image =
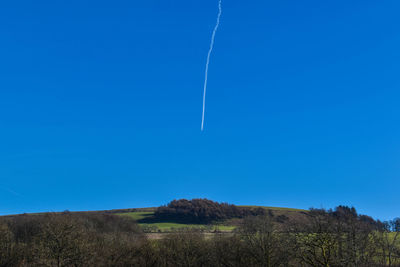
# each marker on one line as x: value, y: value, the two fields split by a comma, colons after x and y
x: 170, y: 226
x: 144, y: 218
x: 138, y: 215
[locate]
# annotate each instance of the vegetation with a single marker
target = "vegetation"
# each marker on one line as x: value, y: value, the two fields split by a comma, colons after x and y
x: 338, y: 237
x: 187, y: 216
x: 203, y: 211
x: 147, y: 222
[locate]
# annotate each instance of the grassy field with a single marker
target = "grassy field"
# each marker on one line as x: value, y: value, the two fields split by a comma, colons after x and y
x: 138, y: 215
x: 170, y: 226
x: 142, y: 216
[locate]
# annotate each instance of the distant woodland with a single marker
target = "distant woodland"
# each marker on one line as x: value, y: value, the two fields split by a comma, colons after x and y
x: 203, y: 211
x: 317, y: 237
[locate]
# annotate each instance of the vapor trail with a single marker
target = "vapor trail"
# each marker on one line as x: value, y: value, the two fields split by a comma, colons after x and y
x: 11, y: 191
x: 208, y: 60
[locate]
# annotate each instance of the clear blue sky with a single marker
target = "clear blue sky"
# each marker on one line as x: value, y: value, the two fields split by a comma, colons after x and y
x: 100, y: 104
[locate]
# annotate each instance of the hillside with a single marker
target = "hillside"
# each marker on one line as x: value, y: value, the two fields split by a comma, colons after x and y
x: 207, y: 215
x: 146, y: 219
x: 149, y: 223
x: 208, y: 232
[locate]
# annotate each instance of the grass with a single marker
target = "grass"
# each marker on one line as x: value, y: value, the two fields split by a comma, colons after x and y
x: 224, y: 227
x: 138, y: 215
x: 145, y: 219
x: 170, y: 226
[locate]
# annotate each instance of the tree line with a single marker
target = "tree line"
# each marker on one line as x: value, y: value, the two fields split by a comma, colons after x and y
x: 203, y: 211
x: 338, y: 237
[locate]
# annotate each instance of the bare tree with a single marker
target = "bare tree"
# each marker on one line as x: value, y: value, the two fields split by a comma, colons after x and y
x: 62, y: 242
x: 388, y: 240
x: 315, y: 241
x: 9, y: 255
x: 263, y: 242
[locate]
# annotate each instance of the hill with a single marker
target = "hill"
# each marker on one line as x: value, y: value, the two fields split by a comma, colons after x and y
x: 205, y: 215
x: 213, y: 234
x: 150, y: 221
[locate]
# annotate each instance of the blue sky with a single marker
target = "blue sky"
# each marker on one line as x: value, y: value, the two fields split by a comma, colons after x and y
x: 100, y: 104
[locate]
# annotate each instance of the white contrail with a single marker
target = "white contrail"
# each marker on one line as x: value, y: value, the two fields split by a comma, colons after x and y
x: 208, y: 60
x: 11, y: 191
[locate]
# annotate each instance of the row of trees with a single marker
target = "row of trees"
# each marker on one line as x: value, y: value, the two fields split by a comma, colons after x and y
x: 67, y: 239
x: 203, y: 211
x: 339, y: 237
